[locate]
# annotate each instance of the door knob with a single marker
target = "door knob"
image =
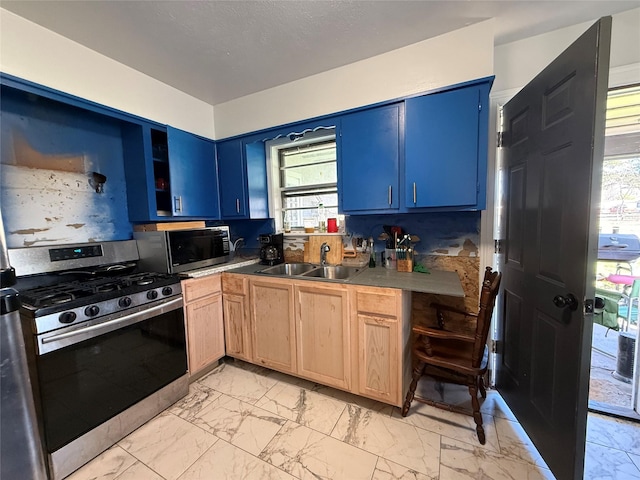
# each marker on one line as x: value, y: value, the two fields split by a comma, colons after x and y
x: 570, y: 301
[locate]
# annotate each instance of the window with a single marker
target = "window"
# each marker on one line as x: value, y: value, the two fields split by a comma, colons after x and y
x: 304, y: 175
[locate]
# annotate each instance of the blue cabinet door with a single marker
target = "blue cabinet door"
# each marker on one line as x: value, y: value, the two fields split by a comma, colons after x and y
x: 368, y: 159
x: 194, y: 176
x: 232, y: 171
x: 442, y: 148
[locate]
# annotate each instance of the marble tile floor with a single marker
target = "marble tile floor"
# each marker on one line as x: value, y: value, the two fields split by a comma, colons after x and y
x: 245, y: 422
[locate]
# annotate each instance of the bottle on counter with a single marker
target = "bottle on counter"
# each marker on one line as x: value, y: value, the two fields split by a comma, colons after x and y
x: 322, y: 219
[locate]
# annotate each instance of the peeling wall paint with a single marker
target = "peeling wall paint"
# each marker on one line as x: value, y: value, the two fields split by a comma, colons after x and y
x: 48, y: 154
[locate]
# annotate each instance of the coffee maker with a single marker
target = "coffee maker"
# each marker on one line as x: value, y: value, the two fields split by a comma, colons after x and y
x: 271, y: 249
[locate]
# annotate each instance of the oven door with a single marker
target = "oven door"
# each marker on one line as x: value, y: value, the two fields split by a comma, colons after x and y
x: 92, y: 374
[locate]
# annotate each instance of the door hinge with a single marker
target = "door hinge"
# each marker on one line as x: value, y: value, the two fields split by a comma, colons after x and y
x: 493, y: 346
x: 500, y: 139
x: 479, y: 107
x: 498, y: 246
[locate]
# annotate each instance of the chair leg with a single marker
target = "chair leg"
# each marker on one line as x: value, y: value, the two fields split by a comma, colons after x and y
x: 417, y: 373
x: 483, y: 391
x: 477, y: 416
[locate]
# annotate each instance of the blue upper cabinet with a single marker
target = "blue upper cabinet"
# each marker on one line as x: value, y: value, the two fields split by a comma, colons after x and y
x: 170, y: 174
x: 368, y: 160
x: 242, y: 167
x: 233, y: 175
x: 193, y: 175
x: 446, y: 137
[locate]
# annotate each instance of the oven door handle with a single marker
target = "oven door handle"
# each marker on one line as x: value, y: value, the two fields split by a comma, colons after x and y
x: 68, y: 338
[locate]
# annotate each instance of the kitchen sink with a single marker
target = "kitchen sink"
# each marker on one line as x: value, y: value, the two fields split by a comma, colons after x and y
x: 288, y: 269
x: 337, y: 272
x: 309, y: 270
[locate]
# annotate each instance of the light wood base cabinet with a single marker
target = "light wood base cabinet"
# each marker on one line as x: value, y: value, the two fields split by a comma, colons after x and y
x: 380, y: 350
x: 354, y: 338
x: 203, y: 322
x: 272, y: 324
x: 322, y: 321
x: 235, y: 303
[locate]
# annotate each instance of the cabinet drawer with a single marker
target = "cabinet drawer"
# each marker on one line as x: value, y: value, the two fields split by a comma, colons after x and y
x: 195, y: 288
x: 381, y: 301
x: 234, y: 284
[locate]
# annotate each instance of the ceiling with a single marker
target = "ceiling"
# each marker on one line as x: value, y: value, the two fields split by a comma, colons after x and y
x: 220, y: 50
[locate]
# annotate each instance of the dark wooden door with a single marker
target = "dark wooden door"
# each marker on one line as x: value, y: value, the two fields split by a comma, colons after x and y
x: 553, y: 148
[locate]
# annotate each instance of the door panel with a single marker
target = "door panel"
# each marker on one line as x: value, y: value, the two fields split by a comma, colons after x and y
x: 272, y: 323
x: 194, y: 176
x: 369, y: 144
x: 323, y: 334
x: 553, y: 152
x: 441, y: 149
x: 232, y: 179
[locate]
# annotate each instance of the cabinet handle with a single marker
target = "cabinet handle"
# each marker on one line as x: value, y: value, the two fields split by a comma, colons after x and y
x: 390, y: 195
x: 415, y: 197
x: 177, y: 203
x: 237, y: 205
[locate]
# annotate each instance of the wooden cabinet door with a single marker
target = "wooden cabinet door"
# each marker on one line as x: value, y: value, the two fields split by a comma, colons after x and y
x: 379, y: 373
x: 368, y: 159
x: 380, y: 353
x: 323, y: 333
x: 205, y: 332
x: 272, y: 324
x: 236, y: 326
x: 445, y: 151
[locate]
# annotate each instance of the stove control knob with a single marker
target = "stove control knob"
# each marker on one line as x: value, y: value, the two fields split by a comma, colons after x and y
x: 152, y: 294
x: 124, y: 302
x: 67, y: 317
x: 167, y: 291
x: 92, y: 311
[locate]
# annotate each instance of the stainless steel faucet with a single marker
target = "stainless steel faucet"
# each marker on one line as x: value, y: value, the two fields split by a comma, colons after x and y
x: 324, y: 248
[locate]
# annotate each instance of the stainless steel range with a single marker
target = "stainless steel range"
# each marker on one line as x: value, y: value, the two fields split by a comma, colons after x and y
x: 108, y: 344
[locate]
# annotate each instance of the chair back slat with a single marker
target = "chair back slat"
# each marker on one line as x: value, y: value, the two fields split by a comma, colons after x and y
x: 488, y: 294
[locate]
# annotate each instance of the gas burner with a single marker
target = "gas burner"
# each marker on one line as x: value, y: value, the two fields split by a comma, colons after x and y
x: 56, y: 299
x: 107, y: 287
x: 144, y: 281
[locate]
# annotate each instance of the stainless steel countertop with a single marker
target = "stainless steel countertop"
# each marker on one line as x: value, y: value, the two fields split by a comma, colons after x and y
x: 438, y: 282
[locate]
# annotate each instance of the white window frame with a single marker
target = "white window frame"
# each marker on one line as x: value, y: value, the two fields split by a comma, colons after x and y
x: 272, y: 147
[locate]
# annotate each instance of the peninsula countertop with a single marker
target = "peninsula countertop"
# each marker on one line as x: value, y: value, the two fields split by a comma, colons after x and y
x: 438, y: 282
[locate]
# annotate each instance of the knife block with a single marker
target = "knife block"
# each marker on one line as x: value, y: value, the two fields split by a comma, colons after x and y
x: 405, y: 265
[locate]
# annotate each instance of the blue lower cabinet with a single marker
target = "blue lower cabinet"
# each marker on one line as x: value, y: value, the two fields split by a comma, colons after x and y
x: 446, y: 137
x: 368, y: 160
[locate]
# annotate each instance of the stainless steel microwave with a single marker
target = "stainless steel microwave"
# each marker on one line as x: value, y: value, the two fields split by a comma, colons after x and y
x: 176, y: 251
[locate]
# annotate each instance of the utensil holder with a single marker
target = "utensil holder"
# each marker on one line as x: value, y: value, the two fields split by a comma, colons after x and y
x: 405, y: 265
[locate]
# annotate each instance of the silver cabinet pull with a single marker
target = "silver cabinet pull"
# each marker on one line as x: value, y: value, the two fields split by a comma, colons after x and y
x: 390, y: 195
x: 177, y: 203
x: 415, y: 196
x: 237, y: 205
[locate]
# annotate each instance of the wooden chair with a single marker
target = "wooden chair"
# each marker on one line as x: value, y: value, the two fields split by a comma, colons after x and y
x: 456, y: 357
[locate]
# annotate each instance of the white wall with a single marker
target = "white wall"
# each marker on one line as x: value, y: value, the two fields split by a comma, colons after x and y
x: 34, y: 53
x: 454, y: 57
x: 519, y: 62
